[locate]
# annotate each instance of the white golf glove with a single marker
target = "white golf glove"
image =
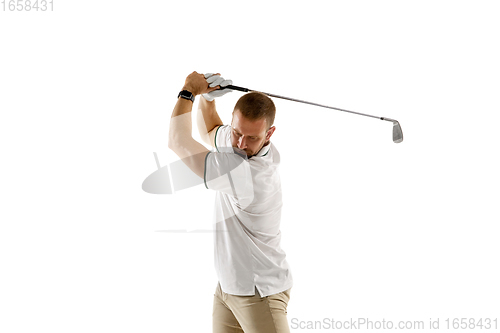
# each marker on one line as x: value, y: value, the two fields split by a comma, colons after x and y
x: 214, y: 81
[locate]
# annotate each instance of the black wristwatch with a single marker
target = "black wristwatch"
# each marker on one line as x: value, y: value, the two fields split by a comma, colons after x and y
x: 186, y: 95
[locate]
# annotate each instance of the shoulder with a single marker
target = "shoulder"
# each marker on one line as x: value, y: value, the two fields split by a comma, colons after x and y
x: 221, y: 136
x: 275, y: 154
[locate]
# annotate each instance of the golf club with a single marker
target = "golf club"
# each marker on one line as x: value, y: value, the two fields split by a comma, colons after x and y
x: 397, y: 132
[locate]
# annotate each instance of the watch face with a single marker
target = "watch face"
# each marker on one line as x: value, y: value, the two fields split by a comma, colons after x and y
x: 187, y: 95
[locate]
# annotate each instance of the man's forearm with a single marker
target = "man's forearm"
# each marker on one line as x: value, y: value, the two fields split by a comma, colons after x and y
x: 180, y: 123
x: 207, y: 117
x: 180, y: 139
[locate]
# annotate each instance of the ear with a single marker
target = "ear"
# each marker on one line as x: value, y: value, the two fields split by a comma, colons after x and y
x: 270, y: 132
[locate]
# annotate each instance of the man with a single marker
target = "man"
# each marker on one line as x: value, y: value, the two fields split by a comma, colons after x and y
x: 254, y: 277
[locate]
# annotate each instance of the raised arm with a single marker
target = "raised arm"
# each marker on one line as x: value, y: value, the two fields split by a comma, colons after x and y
x: 207, y: 119
x: 180, y: 138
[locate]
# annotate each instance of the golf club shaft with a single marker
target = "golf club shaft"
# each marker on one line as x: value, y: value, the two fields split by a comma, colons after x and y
x: 397, y: 132
x: 300, y: 101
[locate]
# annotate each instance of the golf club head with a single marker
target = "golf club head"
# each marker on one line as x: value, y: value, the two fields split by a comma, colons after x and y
x: 397, y: 132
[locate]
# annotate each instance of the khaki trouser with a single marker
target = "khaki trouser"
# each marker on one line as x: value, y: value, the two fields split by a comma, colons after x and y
x: 250, y: 314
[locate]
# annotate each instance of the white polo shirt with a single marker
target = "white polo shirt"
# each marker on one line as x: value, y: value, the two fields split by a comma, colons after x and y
x: 247, y: 218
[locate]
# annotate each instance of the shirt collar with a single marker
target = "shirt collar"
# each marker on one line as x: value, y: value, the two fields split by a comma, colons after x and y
x: 263, y: 151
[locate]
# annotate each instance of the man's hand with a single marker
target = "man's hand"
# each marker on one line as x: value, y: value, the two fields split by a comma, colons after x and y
x: 196, y: 84
x: 216, y: 80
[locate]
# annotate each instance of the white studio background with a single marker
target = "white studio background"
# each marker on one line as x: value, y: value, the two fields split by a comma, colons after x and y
x: 371, y: 229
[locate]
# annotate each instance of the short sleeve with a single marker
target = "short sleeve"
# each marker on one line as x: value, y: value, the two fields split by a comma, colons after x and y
x: 223, y: 137
x: 229, y: 172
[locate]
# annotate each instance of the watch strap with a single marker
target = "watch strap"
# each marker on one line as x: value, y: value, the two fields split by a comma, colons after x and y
x: 186, y: 95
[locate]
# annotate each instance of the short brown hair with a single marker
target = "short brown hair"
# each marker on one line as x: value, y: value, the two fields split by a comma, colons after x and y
x: 255, y: 106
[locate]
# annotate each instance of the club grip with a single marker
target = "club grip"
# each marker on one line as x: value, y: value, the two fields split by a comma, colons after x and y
x: 235, y: 88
